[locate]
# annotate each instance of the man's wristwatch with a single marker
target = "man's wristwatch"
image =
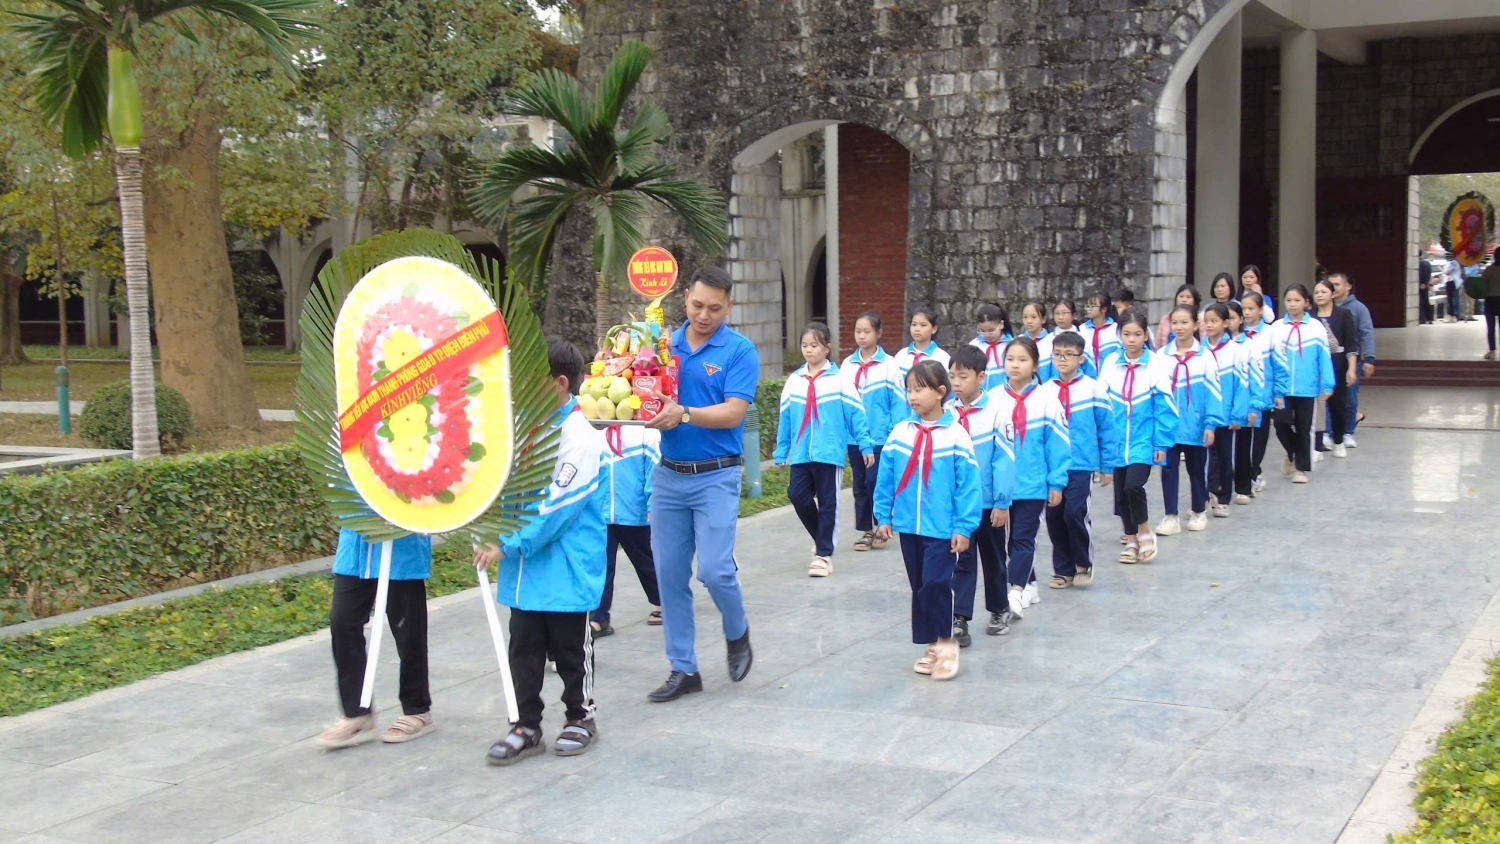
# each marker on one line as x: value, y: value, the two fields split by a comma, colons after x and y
x: 687, y: 417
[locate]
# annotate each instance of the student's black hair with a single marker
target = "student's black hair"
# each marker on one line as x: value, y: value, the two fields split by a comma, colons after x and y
x: 819, y: 330
x: 713, y: 277
x: 1348, y: 279
x: 1123, y: 295
x: 1234, y: 285
x: 564, y: 358
x: 1219, y: 309
x: 871, y: 317
x: 930, y: 374
x: 1099, y: 299
x: 1238, y: 310
x: 1071, y: 306
x: 1197, y: 297
x: 1300, y: 290
x: 1251, y: 294
x: 931, y: 316
x: 970, y: 358
x: 1192, y: 312
x: 1041, y: 308
x: 1029, y: 345
x: 1069, y: 339
x: 991, y: 312
x: 1138, y: 318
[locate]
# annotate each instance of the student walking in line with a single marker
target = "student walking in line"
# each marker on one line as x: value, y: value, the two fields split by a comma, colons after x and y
x: 1033, y: 419
x: 873, y: 374
x: 1034, y: 326
x: 1095, y: 454
x: 923, y: 346
x: 630, y: 457
x: 1186, y: 297
x: 978, y: 414
x: 1343, y: 349
x: 356, y: 573
x: 994, y: 332
x: 820, y: 415
x: 1301, y: 372
x: 1101, y: 333
x: 1065, y: 319
x: 1122, y: 300
x: 1250, y: 450
x: 1194, y: 382
x: 1233, y: 372
x: 929, y: 492
x: 1147, y: 420
x: 1251, y: 282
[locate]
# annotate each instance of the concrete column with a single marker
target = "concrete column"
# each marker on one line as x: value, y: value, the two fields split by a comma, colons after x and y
x: 1298, y: 201
x: 1169, y: 220
x: 1216, y: 209
x: 754, y: 259
x: 831, y: 244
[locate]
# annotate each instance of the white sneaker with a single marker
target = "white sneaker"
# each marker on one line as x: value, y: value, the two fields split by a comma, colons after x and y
x: 1317, y: 457
x: 1016, y: 601
x: 1197, y: 521
x: 1349, y: 441
x: 1030, y: 595
x: 1169, y: 526
x: 1299, y: 477
x: 1243, y: 499
x: 1221, y: 511
x: 1340, y: 450
x: 1327, y: 441
x: 1258, y: 486
x: 1288, y: 467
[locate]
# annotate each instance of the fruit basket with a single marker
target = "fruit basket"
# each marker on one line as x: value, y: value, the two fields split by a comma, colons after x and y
x: 633, y: 369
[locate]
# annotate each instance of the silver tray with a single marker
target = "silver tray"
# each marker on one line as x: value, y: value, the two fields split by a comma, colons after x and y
x: 601, y: 424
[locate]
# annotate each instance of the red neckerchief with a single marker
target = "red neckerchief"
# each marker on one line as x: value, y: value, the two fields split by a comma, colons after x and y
x: 612, y: 438
x: 1065, y: 396
x: 1222, y: 343
x: 963, y: 415
x: 1182, y: 364
x: 811, y: 412
x: 916, y: 355
x: 1096, y: 339
x: 1250, y: 332
x: 1127, y: 389
x: 1296, y: 326
x: 921, y: 453
x: 992, y: 353
x: 1018, y: 413
x: 863, y: 368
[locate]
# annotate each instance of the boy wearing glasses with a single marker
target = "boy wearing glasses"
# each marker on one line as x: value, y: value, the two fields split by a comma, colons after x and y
x: 1095, y: 454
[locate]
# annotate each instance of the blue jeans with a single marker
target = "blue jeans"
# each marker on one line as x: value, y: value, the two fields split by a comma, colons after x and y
x: 1359, y: 378
x: 1025, y: 521
x: 695, y: 514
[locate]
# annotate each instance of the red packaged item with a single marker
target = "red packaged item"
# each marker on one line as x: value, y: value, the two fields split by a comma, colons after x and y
x: 648, y: 387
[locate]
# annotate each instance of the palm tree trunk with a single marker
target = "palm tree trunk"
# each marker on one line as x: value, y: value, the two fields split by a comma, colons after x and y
x: 601, y: 307
x: 145, y: 435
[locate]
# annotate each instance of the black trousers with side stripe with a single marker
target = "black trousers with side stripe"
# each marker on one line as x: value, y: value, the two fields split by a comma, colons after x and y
x: 566, y: 639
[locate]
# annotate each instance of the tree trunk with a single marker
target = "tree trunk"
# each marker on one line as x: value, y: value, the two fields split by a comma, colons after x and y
x: 12, y: 353
x: 62, y: 287
x: 145, y: 436
x: 572, y: 286
x: 197, y: 319
x: 601, y: 306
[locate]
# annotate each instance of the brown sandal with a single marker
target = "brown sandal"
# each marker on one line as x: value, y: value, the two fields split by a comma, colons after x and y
x: 924, y: 665
x: 1148, y: 549
x: 1060, y: 582
x: 407, y: 727
x: 1131, y: 554
x: 946, y: 666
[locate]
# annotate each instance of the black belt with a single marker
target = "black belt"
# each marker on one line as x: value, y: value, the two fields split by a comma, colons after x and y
x: 703, y: 465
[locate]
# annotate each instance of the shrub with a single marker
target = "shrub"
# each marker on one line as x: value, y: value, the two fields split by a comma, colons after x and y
x: 105, y: 421
x: 116, y: 530
x: 1458, y: 786
x: 768, y: 399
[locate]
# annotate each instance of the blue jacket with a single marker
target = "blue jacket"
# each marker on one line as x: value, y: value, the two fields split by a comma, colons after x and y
x: 1145, y: 414
x: 880, y: 391
x: 1234, y: 379
x: 1192, y: 377
x: 1256, y: 342
x: 994, y: 360
x: 554, y: 564
x: 1047, y: 371
x: 1366, y: 326
x: 909, y: 357
x: 1091, y: 424
x: 941, y: 497
x: 411, y: 557
x: 1100, y: 342
x: 1301, y: 364
x: 1043, y: 452
x: 995, y: 454
x: 630, y: 455
x: 836, y: 420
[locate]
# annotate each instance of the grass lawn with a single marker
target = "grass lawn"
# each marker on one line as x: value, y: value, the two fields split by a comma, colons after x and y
x: 44, y: 354
x: 275, y: 386
x: 27, y: 429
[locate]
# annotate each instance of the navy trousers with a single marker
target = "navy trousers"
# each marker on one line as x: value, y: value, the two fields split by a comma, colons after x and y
x: 864, y: 488
x: 1196, y: 458
x: 987, y: 550
x: 1025, y: 521
x: 814, y: 492
x: 636, y: 540
x: 929, y: 569
x: 1221, y: 459
x: 1069, y: 528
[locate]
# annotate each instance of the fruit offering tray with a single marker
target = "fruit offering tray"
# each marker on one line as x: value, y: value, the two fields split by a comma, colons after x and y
x: 601, y: 424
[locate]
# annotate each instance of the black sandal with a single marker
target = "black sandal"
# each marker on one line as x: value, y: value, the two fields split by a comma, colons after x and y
x: 576, y: 738
x: 654, y: 619
x: 601, y: 630
x: 516, y: 745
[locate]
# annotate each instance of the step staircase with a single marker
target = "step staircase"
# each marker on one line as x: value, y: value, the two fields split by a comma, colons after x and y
x: 1435, y: 373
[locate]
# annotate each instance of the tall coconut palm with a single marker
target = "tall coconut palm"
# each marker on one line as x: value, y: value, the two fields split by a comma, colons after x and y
x: 84, y: 54
x: 613, y: 173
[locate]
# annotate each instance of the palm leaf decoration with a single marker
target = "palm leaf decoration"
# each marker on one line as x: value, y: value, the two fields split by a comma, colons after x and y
x: 533, y: 398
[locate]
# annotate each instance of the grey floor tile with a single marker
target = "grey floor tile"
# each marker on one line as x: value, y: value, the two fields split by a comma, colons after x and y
x: 174, y: 815
x: 327, y: 824
x: 59, y: 736
x: 13, y: 768
x: 1094, y: 717
x: 1171, y: 819
x: 1068, y: 761
x: 174, y: 755
x: 616, y: 810
x: 1029, y: 812
x: 1352, y: 727
x: 470, y: 834
x: 1293, y: 790
x: 1199, y: 685
x: 741, y: 820
x: 53, y: 796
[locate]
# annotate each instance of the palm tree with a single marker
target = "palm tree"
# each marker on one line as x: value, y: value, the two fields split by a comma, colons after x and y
x: 83, y: 53
x: 612, y: 173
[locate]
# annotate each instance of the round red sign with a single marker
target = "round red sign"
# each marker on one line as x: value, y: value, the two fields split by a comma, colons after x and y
x: 652, y: 271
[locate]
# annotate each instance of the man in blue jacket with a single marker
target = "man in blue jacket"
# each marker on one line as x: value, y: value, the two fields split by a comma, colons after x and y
x: 1343, y: 287
x: 551, y: 575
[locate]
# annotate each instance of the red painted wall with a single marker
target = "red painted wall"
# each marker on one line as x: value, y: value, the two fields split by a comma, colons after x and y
x: 1362, y: 232
x: 874, y: 196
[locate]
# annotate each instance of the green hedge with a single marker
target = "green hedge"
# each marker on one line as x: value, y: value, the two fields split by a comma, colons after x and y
x: 1458, y: 786
x: 117, y: 530
x: 768, y: 399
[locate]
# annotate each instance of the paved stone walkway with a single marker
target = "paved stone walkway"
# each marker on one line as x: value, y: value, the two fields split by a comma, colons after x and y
x: 1248, y: 686
x: 75, y: 408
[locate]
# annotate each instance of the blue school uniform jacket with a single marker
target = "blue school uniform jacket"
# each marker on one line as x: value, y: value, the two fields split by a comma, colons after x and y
x: 1091, y: 423
x: 1100, y: 342
x: 554, y: 564
x: 880, y: 391
x: 1145, y: 414
x: 1040, y: 433
x: 1256, y: 343
x: 1048, y: 371
x: 1234, y: 378
x: 1192, y: 377
x: 993, y: 451
x: 994, y: 360
x: 1301, y: 364
x: 630, y: 454
x: 411, y: 557
x: 940, y: 497
x: 820, y: 432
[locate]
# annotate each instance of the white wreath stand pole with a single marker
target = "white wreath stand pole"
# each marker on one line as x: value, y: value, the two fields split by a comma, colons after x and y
x: 377, y: 625
x: 487, y: 595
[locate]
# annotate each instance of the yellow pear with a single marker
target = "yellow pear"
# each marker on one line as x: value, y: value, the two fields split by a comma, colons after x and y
x: 605, y: 408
